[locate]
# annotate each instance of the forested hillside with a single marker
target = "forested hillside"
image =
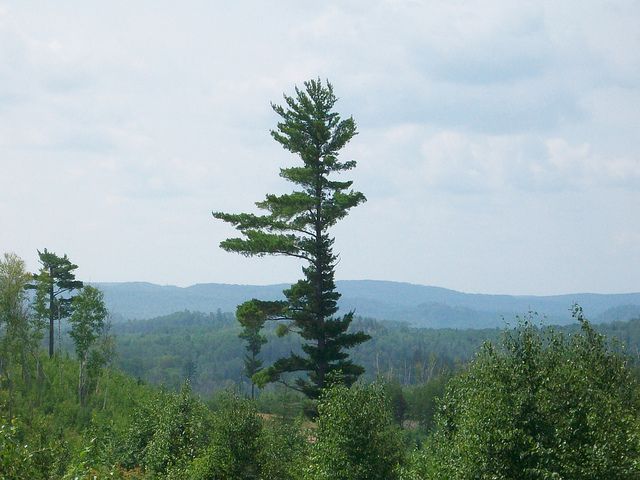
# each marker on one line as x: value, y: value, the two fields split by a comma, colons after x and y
x: 419, y: 305
x: 129, y: 430
x: 441, y: 406
x: 206, y: 348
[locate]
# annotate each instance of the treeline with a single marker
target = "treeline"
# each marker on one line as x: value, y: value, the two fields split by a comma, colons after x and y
x: 205, y: 348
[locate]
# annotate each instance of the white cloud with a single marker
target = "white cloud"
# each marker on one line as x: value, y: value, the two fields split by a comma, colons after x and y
x: 139, y: 119
x: 457, y: 162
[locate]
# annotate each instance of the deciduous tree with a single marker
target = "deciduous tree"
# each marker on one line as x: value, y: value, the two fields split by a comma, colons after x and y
x: 87, y: 326
x: 19, y: 334
x: 542, y: 405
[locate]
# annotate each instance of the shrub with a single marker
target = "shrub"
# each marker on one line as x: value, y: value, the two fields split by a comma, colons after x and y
x: 235, y: 443
x: 541, y: 406
x: 356, y: 438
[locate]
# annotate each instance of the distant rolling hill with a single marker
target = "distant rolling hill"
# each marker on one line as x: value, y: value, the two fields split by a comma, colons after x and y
x: 419, y: 305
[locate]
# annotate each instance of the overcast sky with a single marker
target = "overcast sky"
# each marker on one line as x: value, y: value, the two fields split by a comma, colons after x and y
x: 498, y: 146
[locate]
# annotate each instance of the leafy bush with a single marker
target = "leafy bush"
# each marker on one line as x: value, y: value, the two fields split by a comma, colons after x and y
x: 356, y: 438
x: 543, y: 406
x: 168, y: 432
x: 16, y: 457
x: 283, y: 450
x: 233, y: 453
x: 31, y: 451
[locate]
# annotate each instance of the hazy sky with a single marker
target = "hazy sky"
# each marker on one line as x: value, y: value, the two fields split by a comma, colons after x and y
x: 499, y: 142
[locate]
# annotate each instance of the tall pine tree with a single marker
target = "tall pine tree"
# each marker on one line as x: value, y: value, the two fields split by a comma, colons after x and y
x: 297, y: 225
x: 54, y: 285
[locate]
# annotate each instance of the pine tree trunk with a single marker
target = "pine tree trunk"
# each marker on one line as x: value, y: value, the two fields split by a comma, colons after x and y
x: 80, y: 382
x: 52, y: 299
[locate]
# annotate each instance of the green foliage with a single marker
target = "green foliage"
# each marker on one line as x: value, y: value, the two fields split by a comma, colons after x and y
x: 283, y: 450
x: 233, y: 452
x: 542, y: 406
x: 157, y: 349
x: 356, y: 438
x: 31, y: 449
x: 422, y: 400
x: 297, y: 225
x: 281, y: 402
x: 17, y: 460
x: 397, y: 401
x: 87, y: 320
x: 13, y: 312
x: 87, y: 326
x: 63, y: 437
x: 167, y: 432
x: 54, y: 285
x: 252, y: 315
x: 19, y: 332
x: 99, y: 452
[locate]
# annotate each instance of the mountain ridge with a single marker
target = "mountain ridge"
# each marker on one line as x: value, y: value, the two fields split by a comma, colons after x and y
x: 419, y: 305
